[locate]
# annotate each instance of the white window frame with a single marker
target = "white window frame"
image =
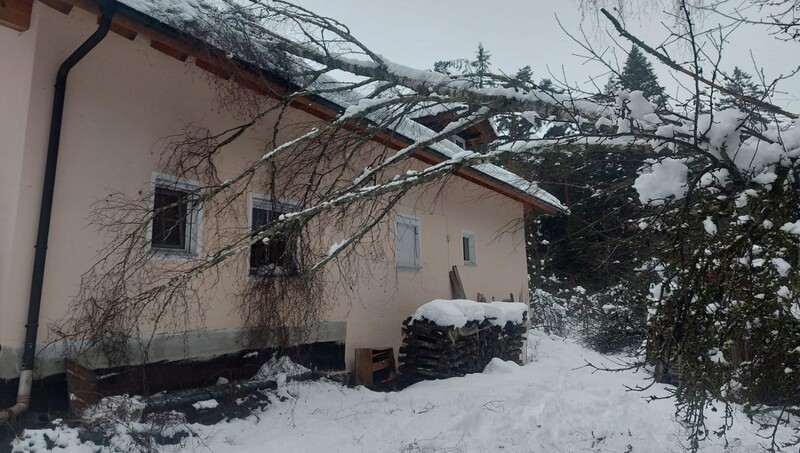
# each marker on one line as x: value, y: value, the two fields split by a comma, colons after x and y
x: 412, y: 221
x: 259, y: 201
x: 459, y: 141
x: 194, y: 240
x: 472, y: 248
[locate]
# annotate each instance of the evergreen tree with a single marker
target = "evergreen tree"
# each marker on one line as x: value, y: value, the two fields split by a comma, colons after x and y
x: 481, y: 65
x: 740, y: 82
x: 638, y: 74
x: 513, y: 124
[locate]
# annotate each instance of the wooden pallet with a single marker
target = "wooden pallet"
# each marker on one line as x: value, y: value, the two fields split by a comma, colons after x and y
x: 374, y: 365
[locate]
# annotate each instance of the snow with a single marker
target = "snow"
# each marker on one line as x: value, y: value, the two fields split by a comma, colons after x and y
x: 276, y: 367
x: 641, y: 109
x: 719, y: 177
x: 710, y: 226
x: 782, y: 266
x: 458, y: 312
x: 554, y: 404
x: 667, y: 178
x: 207, y: 404
x: 792, y: 227
x: 336, y: 246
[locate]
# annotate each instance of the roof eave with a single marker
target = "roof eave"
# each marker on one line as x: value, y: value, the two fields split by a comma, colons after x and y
x: 327, y: 109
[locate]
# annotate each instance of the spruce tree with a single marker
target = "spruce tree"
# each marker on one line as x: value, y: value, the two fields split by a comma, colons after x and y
x: 481, y: 65
x: 740, y: 82
x: 638, y: 74
x: 513, y: 124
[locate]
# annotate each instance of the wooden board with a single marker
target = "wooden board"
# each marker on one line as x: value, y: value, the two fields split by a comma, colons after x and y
x: 16, y: 14
x: 370, y: 361
x: 82, y: 386
x: 458, y: 287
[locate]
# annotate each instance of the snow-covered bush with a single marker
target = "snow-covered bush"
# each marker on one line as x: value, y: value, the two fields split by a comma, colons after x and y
x: 609, y: 321
x: 727, y: 302
x: 617, y: 321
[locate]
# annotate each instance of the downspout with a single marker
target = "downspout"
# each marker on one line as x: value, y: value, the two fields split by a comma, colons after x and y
x: 107, y: 11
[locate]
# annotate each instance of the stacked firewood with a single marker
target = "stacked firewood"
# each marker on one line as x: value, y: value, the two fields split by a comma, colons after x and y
x: 430, y: 351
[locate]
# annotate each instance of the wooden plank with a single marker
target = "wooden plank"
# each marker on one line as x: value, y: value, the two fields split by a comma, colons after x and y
x: 123, y: 31
x: 81, y: 385
x: 58, y: 5
x: 16, y: 14
x: 458, y: 286
x: 223, y: 72
x: 169, y: 50
x: 363, y: 358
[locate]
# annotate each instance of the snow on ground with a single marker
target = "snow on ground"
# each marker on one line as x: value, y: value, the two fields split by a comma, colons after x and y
x: 553, y: 404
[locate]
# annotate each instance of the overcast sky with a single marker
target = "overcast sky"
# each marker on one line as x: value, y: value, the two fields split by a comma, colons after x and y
x: 517, y: 33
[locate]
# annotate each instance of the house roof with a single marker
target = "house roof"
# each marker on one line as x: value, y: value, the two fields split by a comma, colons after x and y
x: 169, y: 24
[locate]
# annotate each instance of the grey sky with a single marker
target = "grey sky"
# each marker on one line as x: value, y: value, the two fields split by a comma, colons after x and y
x: 517, y: 33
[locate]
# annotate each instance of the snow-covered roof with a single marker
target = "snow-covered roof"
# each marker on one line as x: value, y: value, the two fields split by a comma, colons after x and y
x: 189, y: 16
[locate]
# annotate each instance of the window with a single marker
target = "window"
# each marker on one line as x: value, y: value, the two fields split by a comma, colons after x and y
x: 175, y: 227
x: 278, y: 256
x: 407, y: 235
x: 458, y: 140
x: 468, y: 247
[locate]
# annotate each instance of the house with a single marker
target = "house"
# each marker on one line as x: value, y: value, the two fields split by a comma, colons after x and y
x: 145, y: 81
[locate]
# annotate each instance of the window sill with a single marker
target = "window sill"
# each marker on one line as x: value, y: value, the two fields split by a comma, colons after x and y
x: 172, y: 255
x: 255, y: 274
x: 469, y: 264
x: 408, y: 268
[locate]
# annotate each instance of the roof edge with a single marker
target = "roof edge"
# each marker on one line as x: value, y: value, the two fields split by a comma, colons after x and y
x: 129, y: 18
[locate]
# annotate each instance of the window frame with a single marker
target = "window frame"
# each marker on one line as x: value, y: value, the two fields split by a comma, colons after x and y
x: 460, y: 141
x: 194, y: 221
x: 266, y: 202
x: 472, y: 248
x: 415, y: 222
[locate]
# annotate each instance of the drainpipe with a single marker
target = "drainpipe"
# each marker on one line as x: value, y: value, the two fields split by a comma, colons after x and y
x: 107, y: 10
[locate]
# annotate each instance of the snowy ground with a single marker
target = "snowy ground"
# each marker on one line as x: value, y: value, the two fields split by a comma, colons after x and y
x: 553, y: 404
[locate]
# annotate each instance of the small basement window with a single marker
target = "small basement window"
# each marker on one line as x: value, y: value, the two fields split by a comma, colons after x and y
x: 407, y: 235
x: 175, y: 226
x: 279, y: 255
x: 468, y: 248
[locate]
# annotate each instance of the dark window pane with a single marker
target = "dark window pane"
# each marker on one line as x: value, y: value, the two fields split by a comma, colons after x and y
x: 277, y: 256
x: 170, y: 219
x: 260, y: 218
x: 465, y: 247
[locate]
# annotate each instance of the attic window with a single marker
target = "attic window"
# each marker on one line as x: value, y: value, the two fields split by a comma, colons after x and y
x: 458, y: 140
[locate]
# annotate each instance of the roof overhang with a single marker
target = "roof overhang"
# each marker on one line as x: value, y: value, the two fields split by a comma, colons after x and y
x: 129, y: 22
x: 16, y: 14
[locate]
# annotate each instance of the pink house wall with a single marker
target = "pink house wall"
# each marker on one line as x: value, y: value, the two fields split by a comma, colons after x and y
x: 125, y: 97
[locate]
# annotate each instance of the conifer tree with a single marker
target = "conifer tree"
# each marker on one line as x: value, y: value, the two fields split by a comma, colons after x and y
x: 638, y: 74
x: 481, y: 65
x: 740, y: 82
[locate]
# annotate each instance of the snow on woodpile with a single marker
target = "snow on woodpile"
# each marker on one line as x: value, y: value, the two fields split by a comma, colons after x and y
x: 447, y: 338
x: 457, y: 313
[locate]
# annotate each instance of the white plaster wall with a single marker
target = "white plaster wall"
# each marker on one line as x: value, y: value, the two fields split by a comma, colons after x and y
x: 16, y: 67
x: 122, y: 100
x: 375, y: 314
